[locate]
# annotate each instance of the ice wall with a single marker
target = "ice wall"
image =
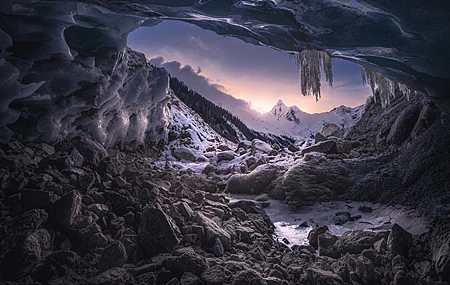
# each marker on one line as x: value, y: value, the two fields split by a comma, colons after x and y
x: 64, y: 65
x: 65, y: 71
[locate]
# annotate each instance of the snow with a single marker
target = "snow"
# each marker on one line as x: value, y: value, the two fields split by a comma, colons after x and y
x: 292, y: 122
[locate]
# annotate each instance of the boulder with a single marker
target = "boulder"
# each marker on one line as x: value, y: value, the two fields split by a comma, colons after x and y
x: 212, y: 230
x: 215, y: 275
x: 365, y: 270
x: 254, y: 182
x: 114, y: 255
x: 67, y: 208
x: 327, y: 146
x: 258, y: 146
x: 319, y: 138
x: 314, y: 235
x: 355, y: 242
x: 184, y: 153
x: 440, y: 246
x: 92, y: 151
x: 156, y: 232
x: 316, y: 180
x: 189, y: 278
x: 249, y: 276
x: 321, y: 277
x: 113, y: 276
x: 187, y: 262
x: 37, y: 199
x: 293, y: 148
x: 223, y: 147
x: 225, y: 155
x: 325, y: 245
x: 399, y: 241
x: 332, y: 130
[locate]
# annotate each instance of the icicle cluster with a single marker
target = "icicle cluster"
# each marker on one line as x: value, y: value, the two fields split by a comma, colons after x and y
x: 384, y: 86
x: 311, y: 63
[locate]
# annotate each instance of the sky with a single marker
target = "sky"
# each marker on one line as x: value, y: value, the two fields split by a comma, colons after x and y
x: 258, y: 76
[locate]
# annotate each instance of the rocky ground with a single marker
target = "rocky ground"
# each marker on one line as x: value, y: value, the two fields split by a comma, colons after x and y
x: 76, y: 213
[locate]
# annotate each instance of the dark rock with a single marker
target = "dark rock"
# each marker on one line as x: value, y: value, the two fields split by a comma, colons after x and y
x: 173, y: 281
x: 37, y: 199
x: 321, y: 277
x: 65, y: 210
x: 114, y: 255
x: 225, y: 155
x: 22, y: 259
x: 214, y: 275
x: 286, y: 241
x: 113, y: 276
x: 355, y: 242
x: 399, y: 241
x: 319, y: 138
x: 365, y: 209
x: 254, y: 182
x: 98, y: 240
x: 341, y: 218
x: 249, y: 276
x: 92, y: 151
x: 440, y: 246
x: 213, y: 231
x: 189, y: 278
x: 365, y: 270
x: 218, y: 249
x: 188, y: 262
x: 293, y: 148
x: 325, y: 245
x: 86, y: 181
x: 328, y: 147
x: 156, y: 232
x: 117, y: 200
x: 99, y: 209
x: 332, y: 130
x: 314, y: 235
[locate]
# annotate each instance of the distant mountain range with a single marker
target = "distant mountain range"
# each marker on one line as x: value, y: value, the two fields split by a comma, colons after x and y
x: 292, y: 122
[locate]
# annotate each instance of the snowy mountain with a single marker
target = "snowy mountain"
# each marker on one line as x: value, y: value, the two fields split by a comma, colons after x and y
x: 294, y: 123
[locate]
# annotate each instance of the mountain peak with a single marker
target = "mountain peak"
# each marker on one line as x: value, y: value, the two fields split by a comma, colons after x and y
x: 279, y: 109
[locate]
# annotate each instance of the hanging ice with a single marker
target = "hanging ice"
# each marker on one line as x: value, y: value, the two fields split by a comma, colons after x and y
x: 310, y: 64
x: 384, y: 86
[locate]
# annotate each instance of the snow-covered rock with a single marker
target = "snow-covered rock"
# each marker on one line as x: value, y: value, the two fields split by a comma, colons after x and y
x: 184, y: 153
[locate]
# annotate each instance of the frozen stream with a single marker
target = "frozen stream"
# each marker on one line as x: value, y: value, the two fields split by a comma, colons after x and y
x: 287, y: 220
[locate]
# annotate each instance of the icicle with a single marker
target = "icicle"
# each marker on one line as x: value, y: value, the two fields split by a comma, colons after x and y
x: 384, y: 86
x: 311, y: 63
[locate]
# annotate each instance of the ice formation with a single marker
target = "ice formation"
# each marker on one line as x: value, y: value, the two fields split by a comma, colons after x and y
x: 64, y: 65
x: 383, y: 86
x: 311, y: 63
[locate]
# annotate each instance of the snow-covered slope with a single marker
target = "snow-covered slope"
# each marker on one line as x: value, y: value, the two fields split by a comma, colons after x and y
x: 292, y: 122
x: 190, y: 129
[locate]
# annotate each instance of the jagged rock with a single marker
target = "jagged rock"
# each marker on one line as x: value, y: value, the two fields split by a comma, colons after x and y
x: 440, y: 246
x: 98, y: 240
x: 381, y: 245
x: 325, y: 245
x: 293, y: 148
x: 316, y: 180
x: 225, y: 155
x: 332, y: 130
x: 214, y: 275
x: 99, y: 209
x: 321, y: 277
x: 187, y: 262
x: 189, y: 278
x: 37, y: 199
x: 218, y: 249
x: 92, y: 151
x: 313, y: 235
x: 399, y: 241
x: 249, y: 276
x: 22, y: 259
x: 212, y: 230
x: 113, y: 276
x: 223, y: 147
x: 67, y: 208
x: 319, y: 138
x: 365, y: 270
x: 114, y: 255
x: 184, y: 153
x: 341, y: 218
x: 254, y: 182
x: 356, y: 241
x: 156, y: 232
x: 328, y: 146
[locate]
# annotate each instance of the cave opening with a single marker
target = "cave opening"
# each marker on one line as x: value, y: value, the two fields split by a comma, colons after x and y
x: 137, y: 148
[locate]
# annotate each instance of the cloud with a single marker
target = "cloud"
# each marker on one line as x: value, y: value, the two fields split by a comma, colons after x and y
x: 205, y: 86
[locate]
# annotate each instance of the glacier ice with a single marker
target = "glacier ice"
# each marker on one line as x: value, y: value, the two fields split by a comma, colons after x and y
x: 66, y: 71
x: 311, y: 63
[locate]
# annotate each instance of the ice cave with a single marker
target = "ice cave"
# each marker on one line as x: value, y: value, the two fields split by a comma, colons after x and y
x: 115, y: 171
